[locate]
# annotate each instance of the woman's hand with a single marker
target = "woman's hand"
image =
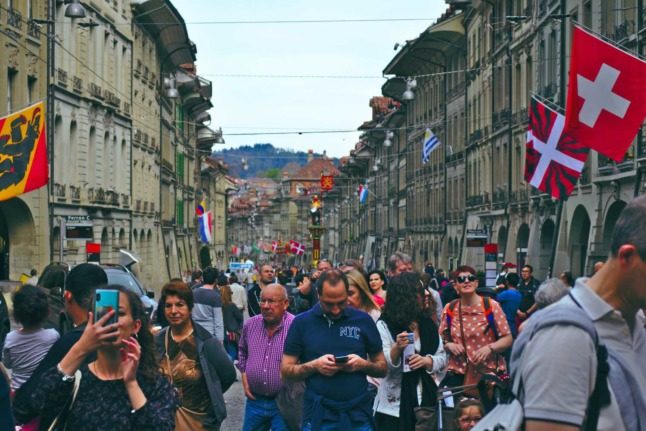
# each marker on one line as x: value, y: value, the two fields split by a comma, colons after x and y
x: 96, y: 335
x: 130, y: 355
x: 402, y: 340
x: 417, y: 361
x: 454, y: 349
x: 481, y: 355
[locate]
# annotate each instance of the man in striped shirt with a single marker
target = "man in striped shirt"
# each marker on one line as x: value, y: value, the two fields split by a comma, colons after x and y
x: 259, y: 356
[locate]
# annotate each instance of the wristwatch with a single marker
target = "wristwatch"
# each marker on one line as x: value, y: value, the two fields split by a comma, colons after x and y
x: 64, y: 377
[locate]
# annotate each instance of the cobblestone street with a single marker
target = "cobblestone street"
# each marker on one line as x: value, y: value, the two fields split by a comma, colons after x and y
x: 235, y: 401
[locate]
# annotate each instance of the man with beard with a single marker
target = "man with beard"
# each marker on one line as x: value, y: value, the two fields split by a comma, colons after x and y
x: 253, y: 296
x: 333, y: 348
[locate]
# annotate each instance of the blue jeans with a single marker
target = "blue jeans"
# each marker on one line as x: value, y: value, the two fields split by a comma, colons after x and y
x: 262, y: 414
x: 334, y: 427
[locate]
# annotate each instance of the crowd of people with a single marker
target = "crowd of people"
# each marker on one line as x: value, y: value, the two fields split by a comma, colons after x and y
x: 343, y: 349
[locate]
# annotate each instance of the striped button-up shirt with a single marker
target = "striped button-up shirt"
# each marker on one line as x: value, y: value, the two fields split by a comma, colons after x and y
x: 259, y: 354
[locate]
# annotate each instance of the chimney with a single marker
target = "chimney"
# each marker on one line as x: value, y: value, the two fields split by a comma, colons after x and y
x: 310, y: 155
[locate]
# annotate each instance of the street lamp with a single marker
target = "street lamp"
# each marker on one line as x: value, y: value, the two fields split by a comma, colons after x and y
x: 411, y: 86
x: 74, y: 9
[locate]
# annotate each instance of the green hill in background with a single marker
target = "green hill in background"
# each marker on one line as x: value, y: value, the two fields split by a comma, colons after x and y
x: 263, y: 160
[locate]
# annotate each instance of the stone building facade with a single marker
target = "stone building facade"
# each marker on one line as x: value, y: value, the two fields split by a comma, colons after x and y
x: 127, y: 136
x: 476, y: 69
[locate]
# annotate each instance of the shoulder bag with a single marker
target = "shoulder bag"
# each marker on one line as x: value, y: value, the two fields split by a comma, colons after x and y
x: 59, y: 421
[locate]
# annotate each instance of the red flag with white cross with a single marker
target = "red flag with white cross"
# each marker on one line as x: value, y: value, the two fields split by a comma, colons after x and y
x: 606, y: 100
x: 296, y: 247
x: 554, y: 160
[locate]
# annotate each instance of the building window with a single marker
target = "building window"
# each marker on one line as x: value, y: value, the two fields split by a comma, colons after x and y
x: 11, y: 90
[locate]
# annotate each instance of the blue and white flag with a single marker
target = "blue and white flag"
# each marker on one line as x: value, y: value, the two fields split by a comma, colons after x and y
x: 363, y: 193
x: 430, y: 143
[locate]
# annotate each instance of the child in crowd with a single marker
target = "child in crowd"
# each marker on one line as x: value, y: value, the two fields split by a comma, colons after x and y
x: 24, y: 348
x: 468, y: 413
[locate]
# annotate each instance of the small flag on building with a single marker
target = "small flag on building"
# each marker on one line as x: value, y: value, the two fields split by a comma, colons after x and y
x: 363, y: 193
x: 23, y: 151
x: 327, y: 182
x: 430, y: 143
x: 296, y: 247
x: 204, y: 222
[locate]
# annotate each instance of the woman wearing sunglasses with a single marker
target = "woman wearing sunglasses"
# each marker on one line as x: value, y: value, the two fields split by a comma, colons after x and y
x: 474, y: 331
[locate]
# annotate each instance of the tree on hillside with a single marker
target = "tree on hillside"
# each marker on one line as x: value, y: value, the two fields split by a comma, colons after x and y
x: 273, y: 173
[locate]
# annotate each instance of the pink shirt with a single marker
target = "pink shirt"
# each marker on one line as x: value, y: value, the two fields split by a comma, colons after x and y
x: 259, y: 355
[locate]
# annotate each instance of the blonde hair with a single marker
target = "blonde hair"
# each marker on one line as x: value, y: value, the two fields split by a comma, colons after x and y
x: 357, y: 279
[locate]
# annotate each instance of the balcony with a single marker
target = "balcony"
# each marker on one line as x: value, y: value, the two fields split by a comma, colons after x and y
x: 499, y: 198
x: 61, y: 76
x: 146, y: 207
x: 622, y: 31
x: 33, y: 29
x: 96, y: 196
x: 475, y: 201
x: 75, y: 194
x: 475, y: 136
x: 95, y: 91
x: 549, y: 90
x: 77, y: 84
x: 608, y: 166
x: 59, y: 191
x: 14, y: 18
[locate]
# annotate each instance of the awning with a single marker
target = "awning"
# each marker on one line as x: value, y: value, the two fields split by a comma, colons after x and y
x: 428, y: 48
x: 166, y: 25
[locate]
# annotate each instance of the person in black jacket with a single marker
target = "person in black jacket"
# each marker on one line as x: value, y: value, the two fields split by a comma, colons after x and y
x: 195, y: 361
x: 266, y: 277
x: 80, y: 284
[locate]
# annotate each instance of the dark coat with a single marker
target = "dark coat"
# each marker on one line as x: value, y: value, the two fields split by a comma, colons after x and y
x: 216, y: 366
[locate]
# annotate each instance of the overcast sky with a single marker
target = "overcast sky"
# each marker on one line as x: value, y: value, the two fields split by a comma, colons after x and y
x: 244, y: 104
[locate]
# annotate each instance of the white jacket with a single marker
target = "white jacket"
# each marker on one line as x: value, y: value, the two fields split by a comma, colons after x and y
x: 389, y: 393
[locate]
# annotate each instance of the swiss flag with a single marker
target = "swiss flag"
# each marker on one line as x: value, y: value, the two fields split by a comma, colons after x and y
x: 554, y: 160
x: 296, y: 247
x: 606, y: 103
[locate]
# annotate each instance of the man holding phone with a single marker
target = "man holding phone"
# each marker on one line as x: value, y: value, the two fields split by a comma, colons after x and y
x: 333, y: 348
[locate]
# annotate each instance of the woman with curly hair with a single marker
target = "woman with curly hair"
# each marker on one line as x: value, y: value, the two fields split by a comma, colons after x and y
x: 123, y: 389
x: 405, y: 321
x: 359, y: 295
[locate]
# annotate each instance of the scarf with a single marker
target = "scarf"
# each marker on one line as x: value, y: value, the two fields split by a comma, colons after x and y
x: 429, y: 340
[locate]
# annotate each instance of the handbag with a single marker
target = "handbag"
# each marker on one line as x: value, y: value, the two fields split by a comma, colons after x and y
x: 58, y: 424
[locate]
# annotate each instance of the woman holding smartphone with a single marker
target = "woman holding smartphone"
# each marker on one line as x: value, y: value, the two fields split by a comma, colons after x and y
x: 411, y: 344
x: 123, y: 388
x: 196, y: 362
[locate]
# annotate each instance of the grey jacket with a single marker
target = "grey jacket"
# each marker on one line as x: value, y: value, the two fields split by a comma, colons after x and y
x: 216, y: 366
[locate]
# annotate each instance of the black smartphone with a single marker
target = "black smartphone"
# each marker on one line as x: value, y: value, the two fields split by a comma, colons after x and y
x: 341, y: 359
x: 106, y: 300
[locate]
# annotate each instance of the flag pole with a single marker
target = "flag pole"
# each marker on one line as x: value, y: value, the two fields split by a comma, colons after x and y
x: 559, y: 205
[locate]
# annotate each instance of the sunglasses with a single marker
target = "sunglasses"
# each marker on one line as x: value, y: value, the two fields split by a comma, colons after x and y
x: 465, y: 278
